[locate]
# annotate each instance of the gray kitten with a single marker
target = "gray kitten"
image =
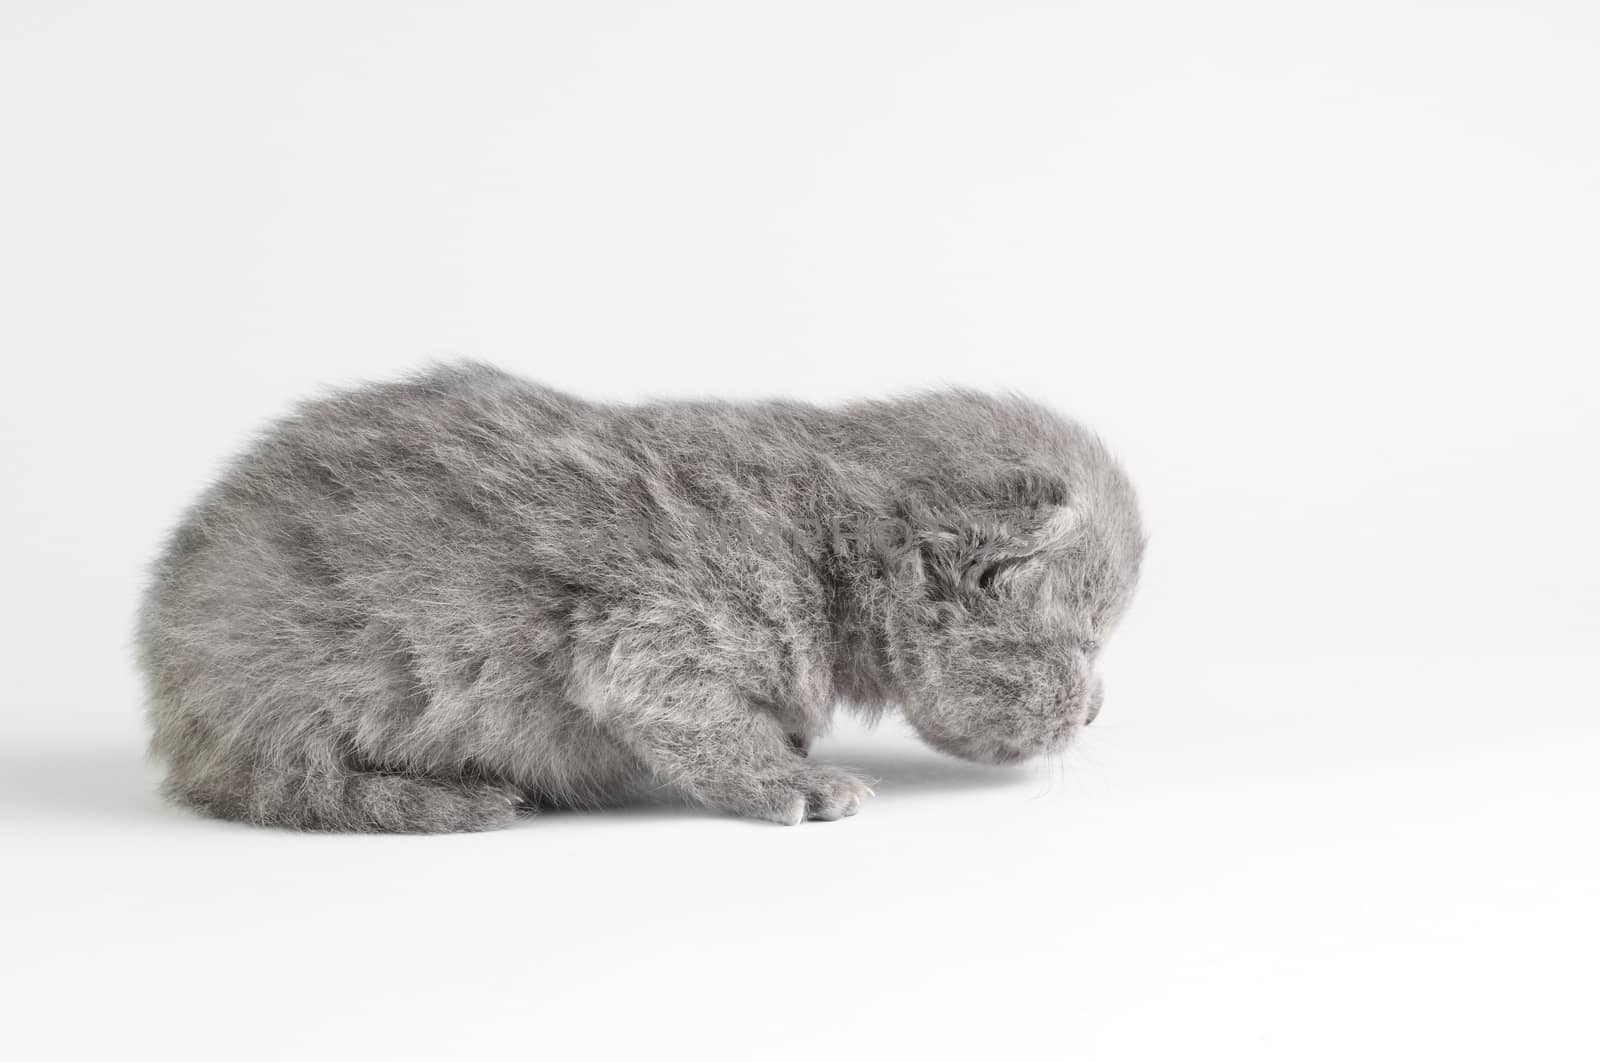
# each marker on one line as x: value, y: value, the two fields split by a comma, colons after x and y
x: 424, y: 605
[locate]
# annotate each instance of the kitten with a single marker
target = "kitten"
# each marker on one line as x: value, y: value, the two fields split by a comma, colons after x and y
x: 427, y: 605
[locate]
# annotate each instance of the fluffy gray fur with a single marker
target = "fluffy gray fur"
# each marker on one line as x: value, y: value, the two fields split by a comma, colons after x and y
x: 427, y: 605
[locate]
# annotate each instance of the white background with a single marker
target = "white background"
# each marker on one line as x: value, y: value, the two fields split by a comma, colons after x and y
x: 1325, y: 274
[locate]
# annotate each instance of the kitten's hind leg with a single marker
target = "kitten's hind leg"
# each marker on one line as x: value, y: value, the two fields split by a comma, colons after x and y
x: 324, y: 793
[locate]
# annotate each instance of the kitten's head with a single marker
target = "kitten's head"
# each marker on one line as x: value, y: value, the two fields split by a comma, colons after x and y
x: 999, y: 602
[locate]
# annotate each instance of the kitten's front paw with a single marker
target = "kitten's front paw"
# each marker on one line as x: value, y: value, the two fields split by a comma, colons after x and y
x: 823, y: 793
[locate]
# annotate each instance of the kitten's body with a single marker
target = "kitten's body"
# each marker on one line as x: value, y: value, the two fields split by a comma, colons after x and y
x: 417, y: 606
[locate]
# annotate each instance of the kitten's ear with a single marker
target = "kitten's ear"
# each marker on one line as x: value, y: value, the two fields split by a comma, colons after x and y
x: 1016, y: 491
x: 1026, y: 487
x: 972, y: 537
x: 1033, y: 515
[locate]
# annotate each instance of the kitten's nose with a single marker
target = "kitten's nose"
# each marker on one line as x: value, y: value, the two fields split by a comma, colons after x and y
x: 1095, y: 701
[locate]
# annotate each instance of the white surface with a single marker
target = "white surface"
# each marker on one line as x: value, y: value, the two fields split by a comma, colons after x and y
x: 1323, y: 273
